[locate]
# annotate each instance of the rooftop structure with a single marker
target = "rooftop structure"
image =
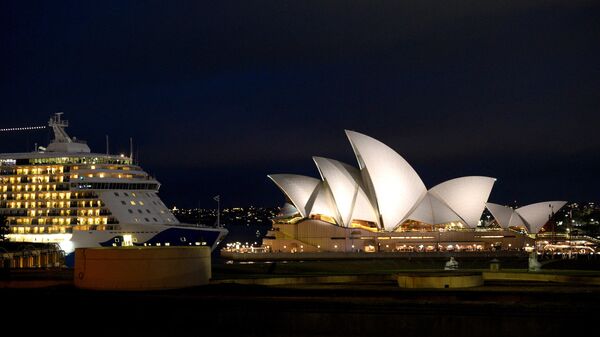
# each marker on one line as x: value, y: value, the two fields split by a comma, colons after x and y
x: 532, y: 217
x: 383, y: 192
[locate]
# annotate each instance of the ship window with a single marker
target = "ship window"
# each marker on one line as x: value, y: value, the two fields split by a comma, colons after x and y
x: 155, y: 220
x: 133, y: 194
x: 142, y: 203
x: 123, y: 202
x: 125, y: 194
x: 146, y: 219
x: 132, y: 202
x: 130, y: 210
x: 148, y: 211
x: 116, y: 194
x: 139, y: 211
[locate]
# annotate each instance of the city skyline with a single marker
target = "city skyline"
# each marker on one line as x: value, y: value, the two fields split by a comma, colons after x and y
x: 217, y: 96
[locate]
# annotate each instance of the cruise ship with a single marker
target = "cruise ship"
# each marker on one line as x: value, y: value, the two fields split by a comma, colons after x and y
x: 68, y: 195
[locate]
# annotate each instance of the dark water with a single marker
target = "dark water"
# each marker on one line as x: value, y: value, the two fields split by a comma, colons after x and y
x: 250, y: 233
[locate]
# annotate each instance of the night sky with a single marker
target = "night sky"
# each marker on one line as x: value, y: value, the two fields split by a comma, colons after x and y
x: 218, y: 94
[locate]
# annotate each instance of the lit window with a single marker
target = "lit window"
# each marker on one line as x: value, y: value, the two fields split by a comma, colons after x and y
x: 132, y: 202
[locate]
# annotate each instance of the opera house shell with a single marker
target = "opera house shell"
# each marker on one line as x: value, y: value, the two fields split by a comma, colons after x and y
x: 531, y: 217
x: 383, y: 205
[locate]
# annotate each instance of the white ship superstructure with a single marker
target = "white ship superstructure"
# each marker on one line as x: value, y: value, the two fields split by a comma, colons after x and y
x: 68, y: 195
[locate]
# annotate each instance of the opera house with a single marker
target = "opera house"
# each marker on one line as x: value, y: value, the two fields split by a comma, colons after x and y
x: 383, y: 205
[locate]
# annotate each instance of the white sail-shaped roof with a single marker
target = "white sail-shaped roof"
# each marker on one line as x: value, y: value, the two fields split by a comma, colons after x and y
x: 533, y: 217
x: 396, y: 187
x: 288, y: 210
x: 537, y: 215
x: 297, y: 188
x: 363, y: 209
x: 517, y: 221
x: 506, y: 216
x: 466, y: 196
x: 322, y: 203
x: 344, y: 181
x: 423, y: 212
x: 433, y: 211
x: 502, y: 214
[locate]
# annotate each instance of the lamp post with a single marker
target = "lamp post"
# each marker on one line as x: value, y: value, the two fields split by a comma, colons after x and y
x: 553, y: 224
x: 217, y: 198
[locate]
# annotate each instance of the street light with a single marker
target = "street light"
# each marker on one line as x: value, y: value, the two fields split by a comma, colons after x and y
x: 217, y: 198
x: 553, y: 224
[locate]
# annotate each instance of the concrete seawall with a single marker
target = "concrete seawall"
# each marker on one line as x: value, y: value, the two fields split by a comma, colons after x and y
x: 141, y: 268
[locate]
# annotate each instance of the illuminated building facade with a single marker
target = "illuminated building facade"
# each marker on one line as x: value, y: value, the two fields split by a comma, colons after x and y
x: 383, y: 205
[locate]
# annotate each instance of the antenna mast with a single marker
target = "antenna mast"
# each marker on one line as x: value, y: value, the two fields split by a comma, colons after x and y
x: 131, y: 148
x: 58, y: 125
